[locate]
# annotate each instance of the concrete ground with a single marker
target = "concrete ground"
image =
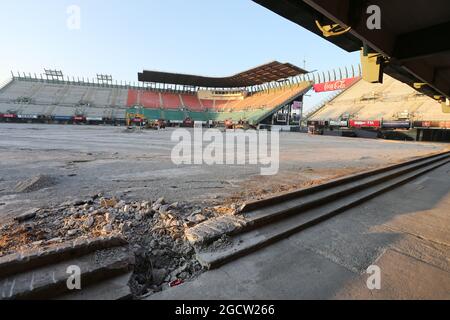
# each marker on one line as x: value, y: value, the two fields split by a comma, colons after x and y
x: 83, y: 160
x: 405, y: 232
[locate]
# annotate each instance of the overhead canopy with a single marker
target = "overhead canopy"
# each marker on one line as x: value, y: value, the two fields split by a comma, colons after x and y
x: 413, y: 34
x: 273, y: 71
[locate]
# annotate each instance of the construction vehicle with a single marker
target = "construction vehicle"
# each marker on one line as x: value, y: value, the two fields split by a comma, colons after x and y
x: 156, y: 124
x: 188, y: 123
x: 229, y: 124
x: 243, y: 125
x: 138, y: 119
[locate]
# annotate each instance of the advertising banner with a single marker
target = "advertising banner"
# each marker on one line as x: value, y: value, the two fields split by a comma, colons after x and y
x: 27, y: 116
x: 297, y: 105
x: 7, y: 115
x: 365, y: 123
x: 335, y: 85
x: 396, y: 124
x: 62, y: 118
x: 342, y: 123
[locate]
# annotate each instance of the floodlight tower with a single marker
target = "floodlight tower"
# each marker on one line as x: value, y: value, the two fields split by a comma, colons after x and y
x: 104, y: 79
x: 52, y: 74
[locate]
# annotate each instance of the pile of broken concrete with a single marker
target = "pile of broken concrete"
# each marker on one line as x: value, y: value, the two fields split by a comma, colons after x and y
x: 160, y: 234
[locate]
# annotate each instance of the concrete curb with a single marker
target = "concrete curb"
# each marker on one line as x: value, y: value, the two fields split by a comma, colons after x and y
x: 249, y: 206
x: 28, y: 260
x: 284, y: 223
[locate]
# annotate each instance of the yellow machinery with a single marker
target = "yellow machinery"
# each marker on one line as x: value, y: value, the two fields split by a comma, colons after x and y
x: 372, y: 67
x: 133, y: 117
x: 332, y: 30
x: 143, y: 122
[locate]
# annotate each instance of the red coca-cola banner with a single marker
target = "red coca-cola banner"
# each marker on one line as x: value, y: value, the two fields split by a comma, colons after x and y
x: 365, y: 123
x: 335, y: 85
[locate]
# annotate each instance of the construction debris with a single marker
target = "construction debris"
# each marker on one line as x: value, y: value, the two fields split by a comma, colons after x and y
x: 160, y: 235
x: 213, y: 229
x: 30, y: 214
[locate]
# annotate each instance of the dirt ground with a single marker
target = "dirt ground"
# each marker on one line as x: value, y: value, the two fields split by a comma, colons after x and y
x: 75, y: 162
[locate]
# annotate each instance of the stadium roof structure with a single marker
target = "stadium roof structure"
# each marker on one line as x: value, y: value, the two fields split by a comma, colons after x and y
x: 273, y: 71
x: 413, y: 35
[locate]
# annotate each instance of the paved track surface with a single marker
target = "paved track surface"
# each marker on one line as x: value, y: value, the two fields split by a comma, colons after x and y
x: 404, y: 232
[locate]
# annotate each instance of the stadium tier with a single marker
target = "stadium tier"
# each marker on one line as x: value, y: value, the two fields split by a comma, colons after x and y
x: 390, y: 101
x: 25, y: 98
x: 63, y: 101
x: 274, y: 86
x: 250, y: 108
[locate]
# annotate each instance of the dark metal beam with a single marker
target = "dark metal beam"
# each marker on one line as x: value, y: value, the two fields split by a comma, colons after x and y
x: 432, y: 76
x: 403, y: 50
x: 423, y: 43
x: 342, y: 11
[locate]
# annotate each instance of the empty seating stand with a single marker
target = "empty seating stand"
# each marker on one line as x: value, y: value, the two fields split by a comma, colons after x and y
x: 64, y: 99
x: 381, y: 101
x: 192, y: 102
x: 150, y: 99
x: 132, y: 98
x: 222, y: 104
x: 208, y: 104
x: 171, y: 101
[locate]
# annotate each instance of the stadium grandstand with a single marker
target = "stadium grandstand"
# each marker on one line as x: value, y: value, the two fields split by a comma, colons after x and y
x: 382, y: 108
x: 45, y: 99
x: 250, y: 97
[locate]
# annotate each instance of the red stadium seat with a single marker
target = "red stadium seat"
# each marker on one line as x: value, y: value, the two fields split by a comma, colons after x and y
x: 208, y: 104
x: 192, y: 102
x: 150, y: 99
x: 261, y: 100
x: 132, y: 98
x: 171, y: 101
x: 221, y: 104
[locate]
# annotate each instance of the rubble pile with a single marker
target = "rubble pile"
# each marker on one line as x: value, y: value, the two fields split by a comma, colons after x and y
x: 155, y: 231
